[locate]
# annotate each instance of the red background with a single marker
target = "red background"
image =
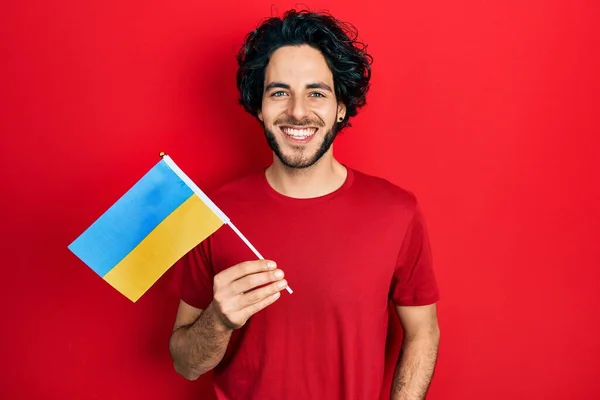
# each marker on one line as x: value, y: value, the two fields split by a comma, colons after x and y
x: 488, y: 111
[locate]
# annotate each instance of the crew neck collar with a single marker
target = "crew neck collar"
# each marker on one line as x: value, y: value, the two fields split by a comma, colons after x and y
x: 310, y: 200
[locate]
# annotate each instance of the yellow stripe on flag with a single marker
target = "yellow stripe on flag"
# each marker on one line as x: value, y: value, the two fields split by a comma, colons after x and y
x: 190, y: 223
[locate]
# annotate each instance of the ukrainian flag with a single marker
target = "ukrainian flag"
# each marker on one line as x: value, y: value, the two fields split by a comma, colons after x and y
x: 162, y: 217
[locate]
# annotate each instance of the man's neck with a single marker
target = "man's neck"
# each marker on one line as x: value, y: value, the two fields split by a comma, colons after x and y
x: 325, y: 176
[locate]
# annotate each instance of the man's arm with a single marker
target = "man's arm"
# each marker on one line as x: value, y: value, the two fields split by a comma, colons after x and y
x: 198, y: 341
x: 418, y: 356
x: 200, y: 337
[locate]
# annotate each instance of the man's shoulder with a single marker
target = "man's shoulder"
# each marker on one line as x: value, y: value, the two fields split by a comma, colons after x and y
x: 383, y: 191
x: 239, y: 187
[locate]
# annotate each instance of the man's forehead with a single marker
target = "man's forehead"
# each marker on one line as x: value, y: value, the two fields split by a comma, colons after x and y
x: 295, y: 65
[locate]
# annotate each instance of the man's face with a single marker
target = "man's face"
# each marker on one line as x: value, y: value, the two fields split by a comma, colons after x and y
x: 299, y: 109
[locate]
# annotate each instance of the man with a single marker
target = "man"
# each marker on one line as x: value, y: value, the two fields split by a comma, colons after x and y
x: 349, y: 244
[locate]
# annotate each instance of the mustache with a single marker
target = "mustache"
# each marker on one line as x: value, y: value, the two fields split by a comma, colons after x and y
x: 287, y: 120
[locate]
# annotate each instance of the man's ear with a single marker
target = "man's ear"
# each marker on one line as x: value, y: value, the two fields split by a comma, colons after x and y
x: 341, y: 111
x: 260, y: 116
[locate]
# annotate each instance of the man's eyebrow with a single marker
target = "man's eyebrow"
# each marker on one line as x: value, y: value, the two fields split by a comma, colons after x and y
x: 319, y: 85
x: 274, y: 85
x: 281, y: 85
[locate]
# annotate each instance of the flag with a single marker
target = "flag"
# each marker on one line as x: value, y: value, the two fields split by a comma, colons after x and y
x: 162, y: 217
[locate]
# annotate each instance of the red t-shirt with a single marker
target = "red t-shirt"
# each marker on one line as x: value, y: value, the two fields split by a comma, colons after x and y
x: 345, y: 255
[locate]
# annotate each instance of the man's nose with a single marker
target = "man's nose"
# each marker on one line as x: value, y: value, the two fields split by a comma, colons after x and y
x: 298, y: 108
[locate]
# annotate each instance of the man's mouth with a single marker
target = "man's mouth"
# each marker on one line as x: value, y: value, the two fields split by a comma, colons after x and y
x: 298, y: 133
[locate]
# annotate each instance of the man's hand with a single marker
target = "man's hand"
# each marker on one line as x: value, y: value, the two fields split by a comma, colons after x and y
x: 244, y: 289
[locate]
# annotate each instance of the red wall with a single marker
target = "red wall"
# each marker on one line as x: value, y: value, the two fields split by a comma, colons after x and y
x: 488, y: 111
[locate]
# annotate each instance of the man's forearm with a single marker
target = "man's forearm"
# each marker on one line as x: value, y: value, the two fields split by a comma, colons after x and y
x: 415, y: 367
x: 199, y: 347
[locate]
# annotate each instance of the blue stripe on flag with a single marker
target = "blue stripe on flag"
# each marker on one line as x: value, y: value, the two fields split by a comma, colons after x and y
x: 127, y: 222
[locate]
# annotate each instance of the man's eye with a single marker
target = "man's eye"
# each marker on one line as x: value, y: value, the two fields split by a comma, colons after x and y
x: 317, y: 94
x: 278, y: 94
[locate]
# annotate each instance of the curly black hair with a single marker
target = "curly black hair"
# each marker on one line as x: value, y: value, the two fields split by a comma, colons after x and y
x: 346, y: 57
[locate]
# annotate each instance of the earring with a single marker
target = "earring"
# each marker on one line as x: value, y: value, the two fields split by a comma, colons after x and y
x: 341, y: 119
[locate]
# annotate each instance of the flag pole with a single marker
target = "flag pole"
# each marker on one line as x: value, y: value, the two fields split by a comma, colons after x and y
x: 220, y: 213
x: 260, y: 257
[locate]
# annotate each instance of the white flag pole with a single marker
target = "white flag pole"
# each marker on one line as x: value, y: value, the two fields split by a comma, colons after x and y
x: 260, y: 257
x: 210, y: 204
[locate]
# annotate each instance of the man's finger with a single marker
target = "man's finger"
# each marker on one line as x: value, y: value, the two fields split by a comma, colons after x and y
x: 249, y: 282
x: 245, y: 268
x: 256, y: 307
x: 258, y: 295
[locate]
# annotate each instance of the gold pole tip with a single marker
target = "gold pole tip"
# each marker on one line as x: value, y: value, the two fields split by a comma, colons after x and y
x: 162, y: 154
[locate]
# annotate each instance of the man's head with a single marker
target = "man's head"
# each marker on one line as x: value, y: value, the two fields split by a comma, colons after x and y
x: 303, y: 76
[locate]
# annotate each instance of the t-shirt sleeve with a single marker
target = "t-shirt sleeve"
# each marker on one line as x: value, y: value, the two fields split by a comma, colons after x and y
x: 197, y: 276
x: 414, y: 281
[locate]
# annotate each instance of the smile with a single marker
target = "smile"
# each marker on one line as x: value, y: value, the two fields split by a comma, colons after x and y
x: 298, y: 134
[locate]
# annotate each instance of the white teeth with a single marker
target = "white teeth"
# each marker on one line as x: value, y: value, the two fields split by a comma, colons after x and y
x: 299, y: 133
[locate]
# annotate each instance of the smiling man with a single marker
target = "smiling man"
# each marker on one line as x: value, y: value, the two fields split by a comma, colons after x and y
x: 351, y: 245
x: 283, y: 113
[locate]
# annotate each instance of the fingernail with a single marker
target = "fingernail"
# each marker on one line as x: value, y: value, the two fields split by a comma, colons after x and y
x: 271, y: 264
x: 282, y: 284
x: 278, y: 274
